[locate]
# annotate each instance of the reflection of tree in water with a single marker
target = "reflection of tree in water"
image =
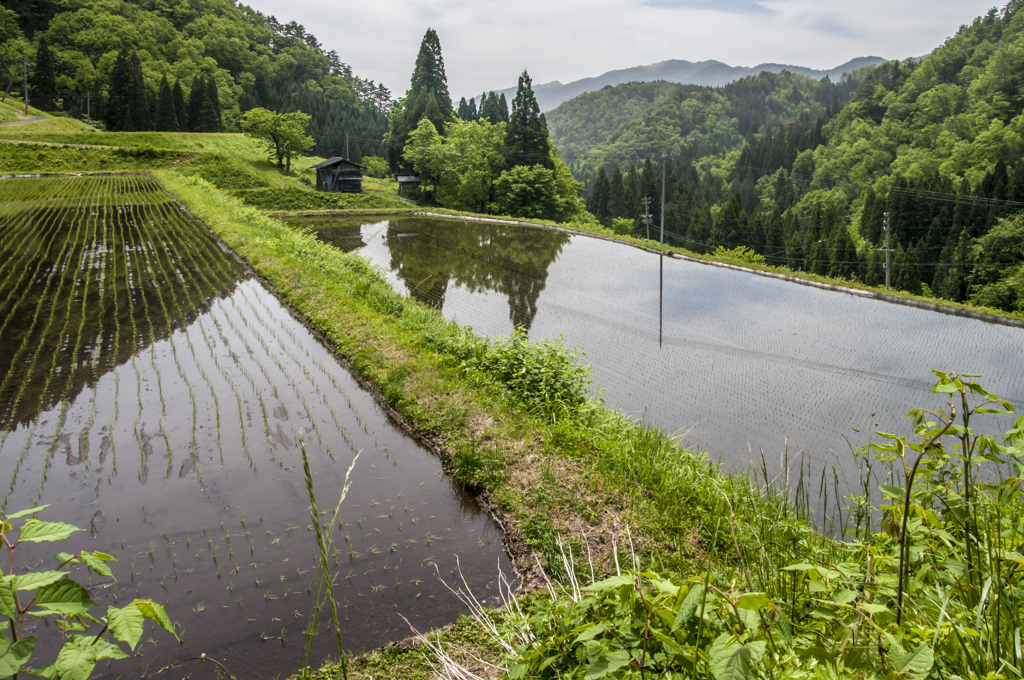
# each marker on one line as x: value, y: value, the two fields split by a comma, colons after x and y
x: 426, y: 254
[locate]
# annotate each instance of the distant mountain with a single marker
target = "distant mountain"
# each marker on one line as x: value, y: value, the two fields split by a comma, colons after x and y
x: 711, y: 73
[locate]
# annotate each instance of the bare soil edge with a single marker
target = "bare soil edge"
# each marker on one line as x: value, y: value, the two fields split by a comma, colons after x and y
x: 523, y: 557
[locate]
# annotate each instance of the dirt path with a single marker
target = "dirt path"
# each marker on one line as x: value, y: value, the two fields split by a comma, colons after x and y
x: 25, y: 120
x: 31, y: 141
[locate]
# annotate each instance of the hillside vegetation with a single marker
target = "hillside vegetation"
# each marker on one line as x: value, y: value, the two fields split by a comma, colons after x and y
x: 803, y: 172
x: 230, y: 57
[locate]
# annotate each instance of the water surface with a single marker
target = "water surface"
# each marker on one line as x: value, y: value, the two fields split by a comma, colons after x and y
x: 731, y: 361
x: 153, y: 393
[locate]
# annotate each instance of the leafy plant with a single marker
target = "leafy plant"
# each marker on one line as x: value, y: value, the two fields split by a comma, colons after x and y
x: 55, y: 597
x: 543, y: 374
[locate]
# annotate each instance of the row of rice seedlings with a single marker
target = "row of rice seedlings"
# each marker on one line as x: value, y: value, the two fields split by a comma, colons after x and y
x: 35, y: 239
x: 186, y: 254
x: 201, y: 270
x: 96, y: 256
x: 77, y: 280
x: 135, y: 283
x: 56, y: 275
x: 309, y: 375
x: 28, y: 367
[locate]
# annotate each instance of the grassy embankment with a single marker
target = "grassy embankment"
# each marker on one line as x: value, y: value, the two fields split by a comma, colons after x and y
x: 584, y: 473
x: 553, y: 469
x: 566, y: 476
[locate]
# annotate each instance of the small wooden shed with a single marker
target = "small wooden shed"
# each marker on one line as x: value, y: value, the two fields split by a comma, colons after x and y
x: 339, y: 174
x: 407, y: 183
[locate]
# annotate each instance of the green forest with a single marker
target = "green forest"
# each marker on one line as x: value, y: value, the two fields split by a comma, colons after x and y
x: 188, y: 67
x: 804, y: 172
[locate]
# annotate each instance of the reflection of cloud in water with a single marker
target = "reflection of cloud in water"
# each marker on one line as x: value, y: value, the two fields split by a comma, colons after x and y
x: 754, y: 361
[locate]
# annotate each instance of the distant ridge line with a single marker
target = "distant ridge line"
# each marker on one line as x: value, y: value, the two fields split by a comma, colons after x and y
x: 709, y: 73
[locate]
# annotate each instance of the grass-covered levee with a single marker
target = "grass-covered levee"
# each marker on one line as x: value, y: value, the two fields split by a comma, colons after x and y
x: 635, y: 556
x: 640, y: 558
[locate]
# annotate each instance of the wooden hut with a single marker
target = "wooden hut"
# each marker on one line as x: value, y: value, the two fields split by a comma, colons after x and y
x: 339, y: 174
x: 407, y: 183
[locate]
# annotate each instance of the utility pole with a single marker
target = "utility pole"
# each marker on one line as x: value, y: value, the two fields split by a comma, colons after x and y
x: 87, y: 97
x: 664, y: 162
x: 887, y: 249
x: 346, y: 146
x: 647, y: 217
x: 24, y: 70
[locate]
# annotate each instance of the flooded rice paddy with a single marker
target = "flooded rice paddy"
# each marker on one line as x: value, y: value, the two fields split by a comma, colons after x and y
x: 732, y: 361
x: 152, y: 392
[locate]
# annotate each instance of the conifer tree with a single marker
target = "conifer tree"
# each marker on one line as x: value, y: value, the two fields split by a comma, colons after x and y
x: 599, y: 198
x: 527, y: 136
x: 429, y: 74
x: 617, y: 196
x: 180, y: 112
x: 43, y: 83
x: 503, y: 110
x: 795, y: 250
x: 427, y: 98
x: 166, y: 116
x: 731, y: 224
x: 196, y: 98
x: 140, y: 99
x: 755, y: 232
x: 463, y: 109
x: 773, y: 236
x: 473, y: 115
x: 490, y: 110
x: 128, y: 106
x: 875, y: 274
x: 209, y: 115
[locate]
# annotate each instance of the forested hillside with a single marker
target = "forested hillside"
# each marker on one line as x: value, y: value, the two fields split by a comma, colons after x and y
x: 806, y: 178
x: 162, y: 62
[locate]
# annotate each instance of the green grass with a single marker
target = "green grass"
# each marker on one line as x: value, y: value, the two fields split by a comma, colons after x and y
x: 14, y: 109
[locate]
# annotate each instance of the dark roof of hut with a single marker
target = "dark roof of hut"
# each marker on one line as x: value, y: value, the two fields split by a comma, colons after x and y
x: 408, y: 178
x: 335, y: 161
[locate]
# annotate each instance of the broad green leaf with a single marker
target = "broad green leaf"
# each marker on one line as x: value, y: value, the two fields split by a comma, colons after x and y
x: 152, y: 610
x: 873, y: 609
x: 689, y: 607
x: 40, y: 532
x: 731, y: 660
x: 12, y: 656
x: 915, y: 663
x: 753, y: 601
x: 64, y: 596
x: 50, y: 672
x: 31, y: 581
x: 26, y: 513
x: 891, y: 491
x: 63, y: 557
x: 611, y: 583
x: 76, y: 663
x: 105, y: 649
x: 589, y: 633
x: 607, y: 663
x: 803, y: 566
x: 844, y: 596
x: 126, y: 624
x: 103, y: 556
x: 8, y: 606
x: 96, y: 564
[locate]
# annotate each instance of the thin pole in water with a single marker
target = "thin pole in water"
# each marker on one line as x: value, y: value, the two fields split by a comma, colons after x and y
x: 664, y: 162
x: 661, y: 296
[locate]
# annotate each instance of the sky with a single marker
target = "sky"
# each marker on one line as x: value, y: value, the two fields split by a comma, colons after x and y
x: 487, y: 43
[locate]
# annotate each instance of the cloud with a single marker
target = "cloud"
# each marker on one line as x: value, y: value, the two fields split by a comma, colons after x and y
x: 836, y: 27
x: 730, y: 6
